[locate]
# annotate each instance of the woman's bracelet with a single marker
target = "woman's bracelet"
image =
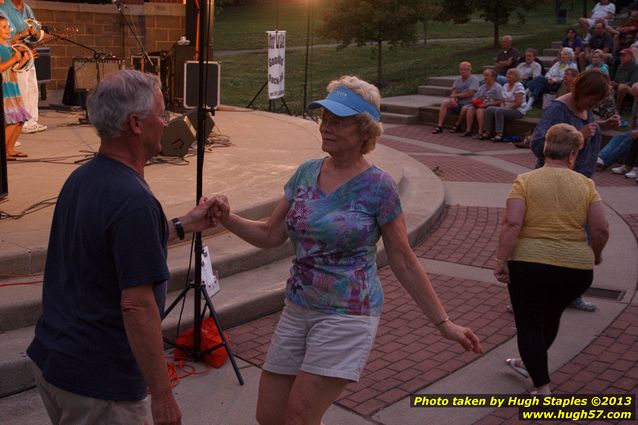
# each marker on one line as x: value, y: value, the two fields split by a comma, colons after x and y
x: 447, y: 319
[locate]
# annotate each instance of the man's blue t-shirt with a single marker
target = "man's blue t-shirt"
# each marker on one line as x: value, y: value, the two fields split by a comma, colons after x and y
x: 108, y: 233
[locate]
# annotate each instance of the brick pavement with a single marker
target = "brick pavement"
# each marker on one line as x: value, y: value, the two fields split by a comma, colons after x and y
x: 466, y: 235
x: 424, y: 133
x: 462, y: 168
x: 405, y: 147
x: 632, y: 221
x: 608, y: 365
x: 408, y: 353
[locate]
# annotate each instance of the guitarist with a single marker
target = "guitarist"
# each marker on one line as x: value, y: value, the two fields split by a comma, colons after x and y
x: 18, y: 12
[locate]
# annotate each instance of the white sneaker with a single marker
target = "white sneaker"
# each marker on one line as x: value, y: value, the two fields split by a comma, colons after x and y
x: 29, y: 129
x: 17, y: 144
x: 620, y: 170
x: 633, y: 174
x: 600, y: 163
x: 40, y: 127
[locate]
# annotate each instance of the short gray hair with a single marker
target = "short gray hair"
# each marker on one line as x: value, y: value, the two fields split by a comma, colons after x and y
x: 568, y: 51
x: 116, y: 97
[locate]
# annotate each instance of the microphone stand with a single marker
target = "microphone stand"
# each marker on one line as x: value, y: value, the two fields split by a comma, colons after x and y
x: 146, y: 59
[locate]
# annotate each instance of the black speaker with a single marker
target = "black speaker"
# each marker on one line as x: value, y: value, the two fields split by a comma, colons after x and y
x: 177, y: 137
x: 208, y: 125
x: 43, y: 64
x: 191, y: 84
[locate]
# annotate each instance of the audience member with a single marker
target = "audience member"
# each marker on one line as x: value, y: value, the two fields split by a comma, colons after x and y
x: 507, y: 57
x: 600, y: 39
x: 598, y: 61
x: 552, y: 80
x: 513, y: 106
x: 529, y: 67
x: 488, y: 94
x: 573, y: 41
x: 626, y: 76
x: 630, y: 166
x: 603, y: 10
x: 616, y: 149
x: 626, y: 33
x: 463, y: 91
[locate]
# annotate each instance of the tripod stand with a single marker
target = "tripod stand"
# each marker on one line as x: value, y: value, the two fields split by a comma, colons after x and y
x: 199, y: 290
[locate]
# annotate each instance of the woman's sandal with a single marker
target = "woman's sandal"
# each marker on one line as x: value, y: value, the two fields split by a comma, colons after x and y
x: 485, y: 136
x: 438, y: 129
x: 467, y: 133
x: 455, y: 128
x: 498, y: 138
x: 517, y: 366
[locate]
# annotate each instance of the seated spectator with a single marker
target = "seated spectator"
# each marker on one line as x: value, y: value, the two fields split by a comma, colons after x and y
x: 573, y: 41
x: 630, y: 167
x: 463, y: 90
x: 513, y: 107
x: 568, y: 82
x: 625, y: 34
x: 616, y: 149
x: 507, y: 57
x: 598, y: 61
x: 552, y: 80
x: 626, y: 76
x: 529, y: 67
x: 600, y: 39
x: 488, y: 94
x: 602, y: 10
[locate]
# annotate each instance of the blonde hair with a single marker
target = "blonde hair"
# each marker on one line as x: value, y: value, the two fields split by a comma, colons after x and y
x: 561, y: 140
x: 514, y: 72
x: 368, y: 127
x: 465, y: 64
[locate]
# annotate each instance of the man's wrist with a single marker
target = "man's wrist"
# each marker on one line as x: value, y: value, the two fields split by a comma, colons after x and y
x: 179, y: 228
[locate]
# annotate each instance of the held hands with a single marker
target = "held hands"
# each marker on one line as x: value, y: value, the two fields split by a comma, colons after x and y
x: 206, y: 214
x: 462, y: 335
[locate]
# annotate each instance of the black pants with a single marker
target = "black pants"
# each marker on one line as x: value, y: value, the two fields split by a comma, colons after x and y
x: 540, y: 293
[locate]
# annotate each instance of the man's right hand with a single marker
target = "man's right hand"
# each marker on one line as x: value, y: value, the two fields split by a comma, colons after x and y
x: 164, y: 409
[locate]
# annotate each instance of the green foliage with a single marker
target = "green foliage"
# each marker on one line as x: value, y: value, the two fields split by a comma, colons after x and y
x: 496, y: 12
x: 372, y: 21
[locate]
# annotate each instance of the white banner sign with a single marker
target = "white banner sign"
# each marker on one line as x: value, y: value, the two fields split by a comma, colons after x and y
x: 276, y: 63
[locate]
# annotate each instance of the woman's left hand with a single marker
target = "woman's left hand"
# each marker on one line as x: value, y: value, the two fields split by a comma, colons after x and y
x: 462, y: 335
x: 501, y: 272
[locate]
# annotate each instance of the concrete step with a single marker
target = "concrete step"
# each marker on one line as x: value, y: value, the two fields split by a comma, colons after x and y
x: 434, y: 90
x: 248, y: 291
x: 394, y: 118
x: 551, y: 52
x: 447, y: 81
x: 429, y: 116
x: 408, y: 105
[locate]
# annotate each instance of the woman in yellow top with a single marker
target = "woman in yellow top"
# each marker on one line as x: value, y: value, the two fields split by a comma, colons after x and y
x: 543, y: 252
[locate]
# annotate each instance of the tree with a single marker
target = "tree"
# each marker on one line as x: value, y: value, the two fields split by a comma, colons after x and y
x: 372, y: 21
x: 496, y: 12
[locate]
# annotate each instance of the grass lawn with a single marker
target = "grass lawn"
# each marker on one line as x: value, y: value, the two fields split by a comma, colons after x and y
x: 404, y: 67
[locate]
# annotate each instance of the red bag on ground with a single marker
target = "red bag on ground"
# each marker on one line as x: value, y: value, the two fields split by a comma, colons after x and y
x: 210, y: 338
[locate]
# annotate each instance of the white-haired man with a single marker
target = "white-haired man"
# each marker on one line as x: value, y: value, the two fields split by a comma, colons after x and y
x: 98, y: 343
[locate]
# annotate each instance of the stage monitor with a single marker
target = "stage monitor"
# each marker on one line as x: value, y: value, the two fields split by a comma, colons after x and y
x: 43, y: 64
x: 191, y: 84
x: 177, y: 137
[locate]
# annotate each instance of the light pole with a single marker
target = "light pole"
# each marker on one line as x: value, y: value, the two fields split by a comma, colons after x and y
x: 305, y: 75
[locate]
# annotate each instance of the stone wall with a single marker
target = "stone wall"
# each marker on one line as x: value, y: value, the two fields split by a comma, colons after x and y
x: 102, y: 28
